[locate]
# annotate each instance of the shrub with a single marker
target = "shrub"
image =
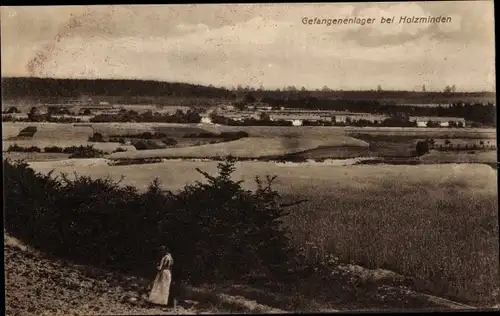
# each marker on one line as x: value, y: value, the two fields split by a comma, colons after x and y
x: 422, y: 147
x: 215, y: 229
x: 85, y: 112
x: 244, y: 226
x: 145, y: 135
x: 96, y: 137
x: 83, y: 152
x: 225, y: 135
x: 17, y: 148
x: 234, y: 135
x: 119, y: 150
x: 159, y: 135
x: 11, y: 110
x: 133, y: 116
x: 134, y: 161
x: 56, y: 110
x: 52, y: 119
x: 202, y: 135
x: 8, y: 118
x: 53, y: 149
x: 169, y: 141
x: 144, y: 144
x: 120, y: 140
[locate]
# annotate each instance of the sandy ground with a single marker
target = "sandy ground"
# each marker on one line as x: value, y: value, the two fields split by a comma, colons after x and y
x: 38, y: 285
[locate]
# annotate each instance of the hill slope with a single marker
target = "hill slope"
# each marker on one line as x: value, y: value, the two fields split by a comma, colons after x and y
x: 37, y: 285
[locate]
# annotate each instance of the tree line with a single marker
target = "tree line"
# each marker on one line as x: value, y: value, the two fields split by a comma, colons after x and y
x: 29, y: 87
x: 22, y: 87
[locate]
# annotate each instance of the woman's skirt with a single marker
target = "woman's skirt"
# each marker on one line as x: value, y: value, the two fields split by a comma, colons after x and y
x: 161, y: 287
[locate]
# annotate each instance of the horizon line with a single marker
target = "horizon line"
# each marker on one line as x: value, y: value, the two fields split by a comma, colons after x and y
x: 255, y: 89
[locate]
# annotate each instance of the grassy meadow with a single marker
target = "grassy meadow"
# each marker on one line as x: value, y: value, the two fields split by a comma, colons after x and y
x: 309, y: 142
x: 81, y: 131
x: 325, y: 131
x: 246, y: 147
x: 481, y: 156
x: 436, y: 223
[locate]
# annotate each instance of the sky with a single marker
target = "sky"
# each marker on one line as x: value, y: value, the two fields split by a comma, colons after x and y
x: 256, y: 44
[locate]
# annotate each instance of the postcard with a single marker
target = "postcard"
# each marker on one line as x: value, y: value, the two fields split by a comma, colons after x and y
x: 250, y: 158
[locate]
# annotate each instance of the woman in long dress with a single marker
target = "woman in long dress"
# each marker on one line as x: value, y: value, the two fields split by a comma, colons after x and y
x: 161, y: 285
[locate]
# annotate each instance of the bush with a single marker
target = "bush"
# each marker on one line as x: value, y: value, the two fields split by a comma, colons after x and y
x: 224, y: 135
x: 214, y: 229
x: 17, y: 148
x: 134, y: 161
x: 53, y: 149
x: 159, y: 135
x: 145, y: 144
x: 169, y: 141
x: 56, y: 110
x: 85, y: 112
x: 120, y: 140
x: 83, y: 152
x: 59, y: 119
x: 96, y: 137
x: 8, y: 118
x: 132, y: 116
x: 234, y: 135
x: 12, y: 110
x: 119, y: 150
x: 145, y: 135
x: 422, y: 147
x: 202, y: 135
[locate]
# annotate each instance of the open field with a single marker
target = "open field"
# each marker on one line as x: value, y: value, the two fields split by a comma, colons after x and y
x: 425, y: 132
x: 106, y: 147
x: 245, y: 147
x: 310, y: 142
x: 66, y: 135
x: 334, y: 152
x: 151, y: 107
x: 81, y: 131
x: 34, y: 156
x: 49, y: 131
x: 11, y: 129
x: 486, y: 156
x: 488, y: 133
x: 440, y: 224
x: 462, y: 142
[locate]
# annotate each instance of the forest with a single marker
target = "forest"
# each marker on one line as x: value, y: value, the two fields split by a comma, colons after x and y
x: 476, y: 107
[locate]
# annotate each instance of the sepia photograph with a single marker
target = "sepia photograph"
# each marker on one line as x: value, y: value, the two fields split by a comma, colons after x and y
x: 249, y: 158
